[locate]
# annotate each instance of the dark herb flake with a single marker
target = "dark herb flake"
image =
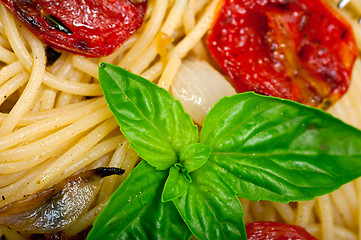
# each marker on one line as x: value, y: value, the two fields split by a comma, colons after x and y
x: 250, y: 146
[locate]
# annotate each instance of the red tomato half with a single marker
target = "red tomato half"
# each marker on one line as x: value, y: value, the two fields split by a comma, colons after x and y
x: 296, y: 49
x: 274, y: 230
x: 89, y: 27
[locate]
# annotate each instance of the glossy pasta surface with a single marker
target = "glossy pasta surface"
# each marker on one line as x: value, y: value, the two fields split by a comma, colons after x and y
x: 55, y: 123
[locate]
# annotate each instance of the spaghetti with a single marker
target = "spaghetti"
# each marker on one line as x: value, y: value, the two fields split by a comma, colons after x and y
x: 54, y: 121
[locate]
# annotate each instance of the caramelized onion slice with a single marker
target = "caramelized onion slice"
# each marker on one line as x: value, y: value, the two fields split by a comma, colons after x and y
x: 53, y: 209
x: 198, y: 86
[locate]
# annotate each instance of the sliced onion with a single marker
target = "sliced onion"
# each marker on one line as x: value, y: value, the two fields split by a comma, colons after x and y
x: 198, y: 86
x: 53, y: 209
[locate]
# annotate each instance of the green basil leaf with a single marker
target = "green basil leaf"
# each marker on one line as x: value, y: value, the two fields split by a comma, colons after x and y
x: 135, y: 210
x: 193, y: 156
x: 210, y: 207
x: 154, y: 123
x: 175, y: 185
x: 278, y: 150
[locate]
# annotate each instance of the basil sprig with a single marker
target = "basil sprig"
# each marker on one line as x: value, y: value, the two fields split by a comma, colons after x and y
x: 250, y: 146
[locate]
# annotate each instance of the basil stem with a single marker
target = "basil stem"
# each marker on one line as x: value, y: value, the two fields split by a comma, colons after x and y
x: 154, y: 123
x: 135, y: 210
x: 251, y: 146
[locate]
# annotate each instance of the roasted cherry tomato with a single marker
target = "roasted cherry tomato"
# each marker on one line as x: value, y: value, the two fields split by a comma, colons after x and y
x: 274, y: 230
x: 301, y: 50
x: 89, y: 27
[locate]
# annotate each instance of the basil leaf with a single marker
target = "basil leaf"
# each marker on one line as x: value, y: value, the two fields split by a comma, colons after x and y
x: 151, y: 119
x: 135, y: 210
x: 193, y: 156
x: 278, y: 150
x: 210, y: 207
x: 175, y: 185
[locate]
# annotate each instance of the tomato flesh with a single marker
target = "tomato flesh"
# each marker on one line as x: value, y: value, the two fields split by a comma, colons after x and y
x: 293, y: 49
x: 92, y: 28
x: 275, y: 230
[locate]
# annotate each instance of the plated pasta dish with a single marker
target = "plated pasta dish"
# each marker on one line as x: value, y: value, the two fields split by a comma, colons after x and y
x: 78, y: 114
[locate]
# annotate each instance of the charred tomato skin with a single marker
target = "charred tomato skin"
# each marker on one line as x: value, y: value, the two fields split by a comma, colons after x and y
x: 91, y: 28
x: 275, y: 230
x: 298, y: 50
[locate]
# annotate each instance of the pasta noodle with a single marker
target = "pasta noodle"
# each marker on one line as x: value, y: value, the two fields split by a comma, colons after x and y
x: 54, y: 121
